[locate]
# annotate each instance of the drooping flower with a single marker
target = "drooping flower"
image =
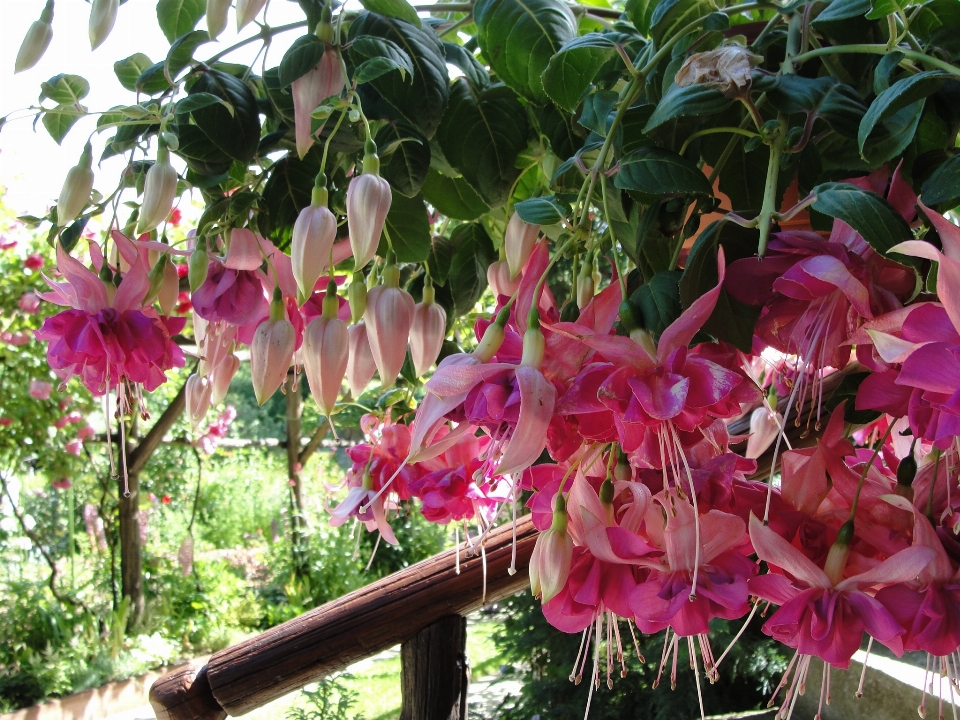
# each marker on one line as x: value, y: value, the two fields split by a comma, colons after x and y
x: 427, y: 331
x: 36, y: 41
x: 325, y: 353
x: 518, y: 242
x: 368, y: 202
x: 40, y: 389
x: 309, y: 90
x: 389, y: 317
x: 271, y: 352
x: 313, y: 235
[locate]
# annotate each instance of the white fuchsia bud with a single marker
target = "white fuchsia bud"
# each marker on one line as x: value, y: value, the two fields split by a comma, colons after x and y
x: 500, y: 280
x: 360, y: 365
x: 309, y: 90
x: 247, y: 10
x: 198, y: 399
x: 169, y: 293
x: 103, y: 16
x: 217, y: 16
x: 243, y: 250
x: 368, y: 202
x: 36, y: 41
x: 76, y: 189
x: 222, y: 376
x: 427, y: 332
x: 764, y: 429
x: 271, y: 351
x: 159, y: 191
x: 326, y: 349
x: 552, y: 555
x: 314, y: 233
x: 389, y: 317
x: 518, y: 242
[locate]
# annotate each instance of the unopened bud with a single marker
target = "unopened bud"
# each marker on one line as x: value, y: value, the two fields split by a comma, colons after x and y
x: 76, y: 189
x: 247, y: 10
x: 518, y: 242
x: 36, y: 41
x: 198, y: 266
x: 368, y: 201
x: 357, y: 296
x: 533, y: 342
x: 156, y: 277
x: 217, y: 16
x: 159, y: 191
x: 103, y: 15
x: 585, y: 286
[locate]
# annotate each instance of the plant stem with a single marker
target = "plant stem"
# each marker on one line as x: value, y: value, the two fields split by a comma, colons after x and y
x: 713, y: 131
x: 266, y: 33
x: 866, y: 471
x: 878, y: 49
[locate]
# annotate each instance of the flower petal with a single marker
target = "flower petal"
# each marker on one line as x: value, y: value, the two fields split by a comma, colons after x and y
x: 537, y: 399
x: 777, y: 551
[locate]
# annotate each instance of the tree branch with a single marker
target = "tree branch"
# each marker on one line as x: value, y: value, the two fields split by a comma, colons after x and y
x: 318, y: 435
x: 140, y: 455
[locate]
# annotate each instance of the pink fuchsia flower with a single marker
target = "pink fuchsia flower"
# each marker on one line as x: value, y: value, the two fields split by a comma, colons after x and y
x: 231, y: 295
x: 325, y: 80
x: 7, y: 243
x: 500, y: 280
x: 74, y: 447
x: 325, y: 353
x: 360, y: 363
x: 552, y: 554
x: 29, y: 303
x: 17, y: 339
x: 86, y: 432
x: 389, y: 317
x: 198, y: 391
x: 448, y: 489
x: 33, y: 261
x: 314, y: 233
x: 271, y: 352
x: 518, y: 243
x: 69, y: 418
x: 805, y: 483
x: 368, y: 201
x: 427, y: 332
x: 40, y: 389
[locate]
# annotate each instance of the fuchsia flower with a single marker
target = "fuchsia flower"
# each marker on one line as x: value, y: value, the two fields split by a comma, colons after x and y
x: 360, y: 364
x: 33, y: 261
x: 323, y: 81
x: 518, y: 243
x: 74, y: 447
x: 40, y: 389
x: 427, y: 332
x: 29, y: 303
x: 448, y: 488
x: 389, y: 317
x: 233, y: 290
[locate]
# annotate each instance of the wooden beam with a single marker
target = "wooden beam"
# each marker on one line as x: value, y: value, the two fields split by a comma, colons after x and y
x: 434, y: 675
x: 185, y: 694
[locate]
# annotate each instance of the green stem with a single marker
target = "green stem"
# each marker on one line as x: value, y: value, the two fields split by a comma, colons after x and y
x: 869, y: 49
x: 465, y: 20
x: 266, y: 33
x: 613, y: 244
x: 712, y: 131
x: 326, y: 145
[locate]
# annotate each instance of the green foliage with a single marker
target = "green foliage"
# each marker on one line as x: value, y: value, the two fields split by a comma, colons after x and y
x: 332, y: 700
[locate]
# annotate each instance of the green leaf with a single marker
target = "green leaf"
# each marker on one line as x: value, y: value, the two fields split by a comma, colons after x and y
x: 153, y: 81
x: 847, y: 390
x: 381, y: 56
x: 541, y: 211
x: 301, y: 58
x: 943, y: 187
x: 693, y: 100
x: 453, y: 197
x: 71, y: 234
x: 441, y: 257
x: 886, y: 66
x: 670, y: 16
x: 393, y: 8
x: 178, y: 17
x: 640, y: 12
x: 570, y: 72
x: 842, y: 10
x: 597, y: 112
x: 196, y: 101
x: 423, y: 100
x: 129, y: 70
x: 285, y: 194
x: 881, y: 8
x: 65, y: 89
x: 866, y: 212
x: 482, y: 134
x: 237, y: 134
x: 518, y: 38
x: 404, y: 155
x: 200, y: 154
x: 654, y: 172
x: 936, y: 23
x: 475, y: 73
x: 898, y: 96
x: 181, y: 52
x: 409, y: 229
x: 472, y: 254
x: 59, y: 121
x: 659, y: 301
x: 899, y: 130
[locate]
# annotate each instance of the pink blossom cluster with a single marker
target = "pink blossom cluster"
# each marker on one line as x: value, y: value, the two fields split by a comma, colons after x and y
x: 217, y: 430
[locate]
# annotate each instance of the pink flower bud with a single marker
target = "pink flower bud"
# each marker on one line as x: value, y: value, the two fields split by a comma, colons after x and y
x: 518, y: 242
x: 427, y: 332
x: 222, y: 376
x: 244, y: 251
x: 360, y: 365
x: 550, y: 562
x: 247, y: 10
x: 36, y: 41
x: 313, y: 236
x: 499, y: 279
x: 40, y: 390
x: 86, y: 432
x: 103, y: 15
x: 271, y: 351
x: 159, y: 191
x: 33, y: 261
x: 217, y: 16
x: 29, y: 303
x: 764, y: 429
x: 389, y: 317
x: 368, y: 202
x: 198, y: 399
x: 326, y: 349
x: 76, y: 189
x: 323, y: 81
x: 169, y: 293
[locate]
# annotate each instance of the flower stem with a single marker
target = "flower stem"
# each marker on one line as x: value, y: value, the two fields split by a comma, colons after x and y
x: 876, y: 49
x: 866, y: 470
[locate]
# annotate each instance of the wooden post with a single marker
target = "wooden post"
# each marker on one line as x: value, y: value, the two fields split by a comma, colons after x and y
x: 434, y: 674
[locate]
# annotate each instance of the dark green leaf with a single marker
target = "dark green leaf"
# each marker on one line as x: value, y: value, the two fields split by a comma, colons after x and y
x: 654, y: 172
x: 695, y: 100
x: 71, y: 234
x: 842, y: 10
x: 898, y: 132
x: 181, y: 52
x: 196, y: 101
x: 640, y: 12
x: 943, y: 187
x: 408, y: 161
x: 281, y: 100
x: 409, y: 229
x: 129, y: 70
x: 936, y: 23
x: 393, y: 8
x: 897, y: 97
x: 866, y: 212
x: 65, y: 89
x: 570, y: 72
x: 441, y: 257
x: 885, y: 68
x: 301, y: 58
x: 670, y: 16
x: 842, y: 109
x: 475, y: 73
x: 375, y: 67
x: 519, y: 38
x: 200, y: 154
x: 481, y: 135
x: 286, y: 193
x: 716, y: 21
x: 473, y: 252
x: 153, y: 81
x: 453, y: 197
x: 540, y: 211
x: 659, y: 301
x: 237, y: 134
x: 881, y: 8
x: 847, y: 390
x: 59, y: 121
x: 423, y: 100
x: 375, y: 51
x: 597, y: 111
x: 178, y: 17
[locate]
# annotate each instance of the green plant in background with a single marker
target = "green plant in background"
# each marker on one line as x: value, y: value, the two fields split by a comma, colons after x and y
x: 332, y: 700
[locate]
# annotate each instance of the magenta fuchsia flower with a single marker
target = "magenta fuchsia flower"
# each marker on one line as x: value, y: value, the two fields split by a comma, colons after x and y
x: 33, y: 261
x: 447, y: 487
x: 232, y: 296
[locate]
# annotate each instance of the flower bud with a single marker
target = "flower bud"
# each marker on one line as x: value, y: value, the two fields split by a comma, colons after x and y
x: 247, y: 10
x: 198, y: 399
x: 492, y: 338
x: 36, y: 41
x: 518, y: 242
x: 198, y: 266
x: 360, y: 365
x: 552, y: 555
x: 156, y: 279
x: 585, y: 286
x: 325, y: 354
x: 76, y: 189
x: 839, y: 553
x: 222, y: 376
x: 159, y: 191
x: 368, y: 202
x: 103, y: 15
x: 427, y: 332
x: 389, y: 317
x: 309, y: 90
x: 534, y: 344
x: 169, y: 293
x: 217, y: 16
x: 243, y: 250
x: 357, y: 295
x: 314, y: 233
x: 271, y: 350
x: 500, y: 280
x: 764, y: 429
